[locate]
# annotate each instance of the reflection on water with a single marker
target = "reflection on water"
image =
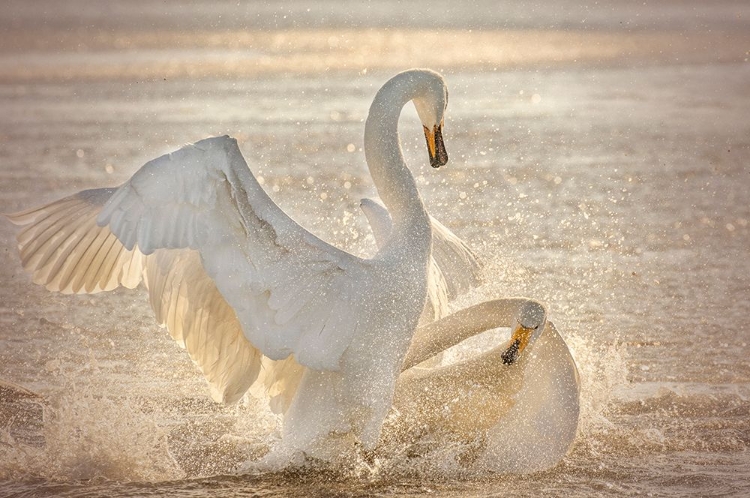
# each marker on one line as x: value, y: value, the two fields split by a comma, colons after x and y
x: 616, y: 193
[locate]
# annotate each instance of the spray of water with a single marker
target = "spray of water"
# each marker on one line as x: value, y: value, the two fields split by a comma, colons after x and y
x: 94, y: 428
x: 90, y: 432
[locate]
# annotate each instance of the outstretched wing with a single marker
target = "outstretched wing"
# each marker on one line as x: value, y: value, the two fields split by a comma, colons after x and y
x: 197, y: 210
x: 187, y: 302
x: 66, y: 251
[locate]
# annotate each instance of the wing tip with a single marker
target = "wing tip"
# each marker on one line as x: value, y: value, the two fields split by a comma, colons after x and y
x: 20, y: 218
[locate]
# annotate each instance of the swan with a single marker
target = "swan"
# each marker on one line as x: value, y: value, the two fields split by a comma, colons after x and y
x: 519, y: 398
x: 235, y: 280
x: 453, y: 270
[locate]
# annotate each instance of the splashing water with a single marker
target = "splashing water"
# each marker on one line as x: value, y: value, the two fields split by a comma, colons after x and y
x: 89, y: 432
x: 618, y: 198
x: 94, y: 428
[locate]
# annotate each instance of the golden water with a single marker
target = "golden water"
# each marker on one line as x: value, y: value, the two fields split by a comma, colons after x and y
x: 601, y: 167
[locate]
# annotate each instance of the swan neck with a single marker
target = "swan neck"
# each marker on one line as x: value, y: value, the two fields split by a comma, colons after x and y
x: 449, y: 331
x: 385, y: 160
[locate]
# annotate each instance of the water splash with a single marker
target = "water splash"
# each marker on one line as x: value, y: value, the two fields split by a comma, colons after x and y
x: 603, y: 370
x: 96, y: 428
x: 90, y: 432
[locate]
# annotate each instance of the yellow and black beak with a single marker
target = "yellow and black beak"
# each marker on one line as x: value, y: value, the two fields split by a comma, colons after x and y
x: 435, y: 145
x: 518, y: 341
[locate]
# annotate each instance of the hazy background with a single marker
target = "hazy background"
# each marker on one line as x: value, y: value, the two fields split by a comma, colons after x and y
x: 599, y: 162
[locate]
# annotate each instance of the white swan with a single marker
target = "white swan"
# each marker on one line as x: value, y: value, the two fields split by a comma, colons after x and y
x: 234, y: 279
x: 520, y: 398
x: 453, y: 269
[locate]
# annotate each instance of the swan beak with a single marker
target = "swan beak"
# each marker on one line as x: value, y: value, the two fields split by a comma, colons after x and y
x: 435, y: 145
x: 518, y: 341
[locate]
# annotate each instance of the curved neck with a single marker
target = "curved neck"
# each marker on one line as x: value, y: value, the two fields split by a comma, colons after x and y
x: 442, y: 334
x: 393, y: 180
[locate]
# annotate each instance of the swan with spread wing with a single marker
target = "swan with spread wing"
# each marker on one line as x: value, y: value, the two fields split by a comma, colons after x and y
x: 235, y: 280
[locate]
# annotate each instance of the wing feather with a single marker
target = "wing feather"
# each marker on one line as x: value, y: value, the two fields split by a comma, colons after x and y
x: 65, y: 250
x: 461, y: 268
x: 38, y: 251
x: 187, y: 302
x: 229, y: 274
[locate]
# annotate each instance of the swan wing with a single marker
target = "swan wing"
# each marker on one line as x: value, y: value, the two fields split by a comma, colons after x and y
x: 291, y: 292
x: 186, y: 301
x: 461, y: 268
x: 66, y: 251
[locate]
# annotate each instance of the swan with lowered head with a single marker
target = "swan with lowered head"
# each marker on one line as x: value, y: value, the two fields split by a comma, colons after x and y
x: 519, y: 399
x: 234, y: 279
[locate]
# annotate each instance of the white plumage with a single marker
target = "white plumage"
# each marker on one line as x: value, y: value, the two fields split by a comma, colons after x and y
x: 454, y: 268
x: 235, y: 280
x: 524, y: 413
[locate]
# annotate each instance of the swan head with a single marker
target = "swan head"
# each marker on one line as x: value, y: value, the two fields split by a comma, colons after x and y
x: 529, y: 326
x: 431, y: 103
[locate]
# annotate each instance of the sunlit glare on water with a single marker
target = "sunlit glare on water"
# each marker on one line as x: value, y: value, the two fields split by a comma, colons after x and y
x: 598, y: 164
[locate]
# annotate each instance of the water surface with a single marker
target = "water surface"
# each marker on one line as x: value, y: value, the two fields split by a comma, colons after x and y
x: 599, y: 163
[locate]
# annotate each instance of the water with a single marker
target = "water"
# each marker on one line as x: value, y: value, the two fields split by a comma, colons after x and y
x: 599, y: 163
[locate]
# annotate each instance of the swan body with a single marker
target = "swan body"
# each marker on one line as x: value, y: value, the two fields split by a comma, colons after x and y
x: 236, y: 281
x: 454, y: 268
x: 523, y: 407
